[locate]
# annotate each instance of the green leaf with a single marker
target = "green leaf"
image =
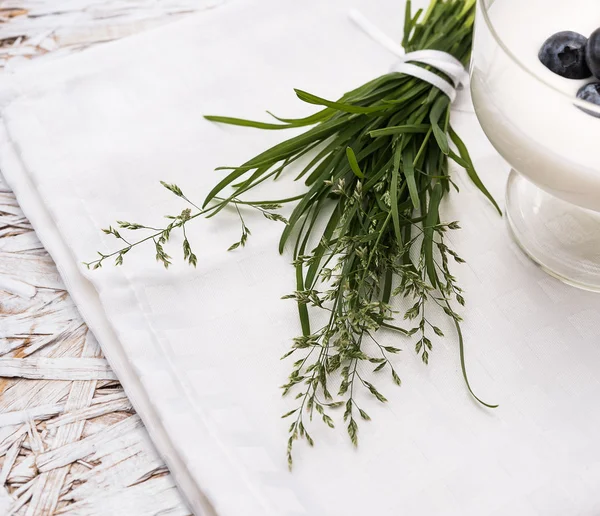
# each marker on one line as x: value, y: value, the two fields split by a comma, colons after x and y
x: 277, y: 153
x: 387, y: 286
x: 246, y: 123
x: 463, y: 364
x: 354, y: 163
x: 302, y: 308
x: 407, y: 22
x: 439, y: 134
x: 312, y: 196
x: 428, y: 231
x: 409, y: 173
x: 470, y: 168
x: 394, y: 195
x: 320, y: 116
x: 400, y: 129
x: 320, y: 249
x: 340, y: 106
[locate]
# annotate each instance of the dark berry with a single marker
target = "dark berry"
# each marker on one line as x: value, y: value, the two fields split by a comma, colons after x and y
x: 591, y: 93
x: 593, y: 53
x: 564, y: 54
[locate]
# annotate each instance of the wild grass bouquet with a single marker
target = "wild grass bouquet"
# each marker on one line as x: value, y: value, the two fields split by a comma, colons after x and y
x: 367, y: 229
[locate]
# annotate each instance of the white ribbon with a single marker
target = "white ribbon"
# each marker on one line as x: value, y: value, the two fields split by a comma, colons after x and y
x: 442, y: 61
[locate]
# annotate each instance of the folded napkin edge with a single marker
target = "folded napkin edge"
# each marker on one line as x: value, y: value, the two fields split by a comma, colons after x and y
x: 92, y: 312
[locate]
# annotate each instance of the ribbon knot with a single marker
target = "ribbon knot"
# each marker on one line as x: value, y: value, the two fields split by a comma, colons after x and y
x: 442, y: 61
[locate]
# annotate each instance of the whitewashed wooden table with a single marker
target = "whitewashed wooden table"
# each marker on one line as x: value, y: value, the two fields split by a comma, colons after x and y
x: 70, y: 442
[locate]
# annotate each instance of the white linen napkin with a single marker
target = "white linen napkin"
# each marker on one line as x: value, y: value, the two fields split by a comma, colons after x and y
x: 85, y: 141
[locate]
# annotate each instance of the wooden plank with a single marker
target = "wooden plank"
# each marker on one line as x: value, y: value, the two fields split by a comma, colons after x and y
x: 88, y: 446
x: 17, y: 287
x: 56, y: 368
x: 10, y: 459
x: 48, y: 315
x: 34, y: 438
x: 39, y: 413
x: 9, y: 435
x: 6, y: 501
x: 35, y: 270
x: 45, y: 495
x: 75, y: 330
x: 24, y: 468
x: 99, y: 409
x: 124, y: 467
x: 22, y: 495
x: 27, y: 241
x: 158, y: 495
x: 20, y: 394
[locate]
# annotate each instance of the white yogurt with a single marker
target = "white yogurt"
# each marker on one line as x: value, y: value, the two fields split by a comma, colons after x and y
x: 539, y: 131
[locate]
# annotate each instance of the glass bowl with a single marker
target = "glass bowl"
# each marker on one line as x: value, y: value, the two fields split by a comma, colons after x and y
x: 535, y: 121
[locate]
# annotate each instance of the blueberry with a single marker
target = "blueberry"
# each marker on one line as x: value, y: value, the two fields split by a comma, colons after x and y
x: 591, y: 93
x: 564, y: 54
x: 593, y: 53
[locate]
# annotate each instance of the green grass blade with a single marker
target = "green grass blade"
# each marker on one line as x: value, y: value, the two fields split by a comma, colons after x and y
x: 246, y: 123
x: 340, y: 106
x: 407, y: 23
x: 277, y: 153
x: 387, y: 285
x: 354, y: 163
x: 434, y: 117
x: 470, y: 168
x: 310, y: 197
x: 458, y: 160
x: 394, y: 193
x: 315, y: 118
x: 409, y: 173
x: 334, y: 220
x: 302, y: 308
x: 400, y: 129
x: 463, y: 365
x: 428, y: 232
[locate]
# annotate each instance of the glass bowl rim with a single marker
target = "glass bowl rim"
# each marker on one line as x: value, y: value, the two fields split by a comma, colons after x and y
x: 490, y: 26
